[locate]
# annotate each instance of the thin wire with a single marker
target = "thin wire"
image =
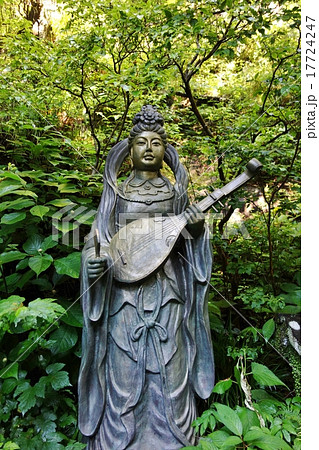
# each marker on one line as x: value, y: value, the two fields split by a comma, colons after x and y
x: 171, y: 223
x: 56, y: 320
x: 239, y: 313
x: 244, y: 132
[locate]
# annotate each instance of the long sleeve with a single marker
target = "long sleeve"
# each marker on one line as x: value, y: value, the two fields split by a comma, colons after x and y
x: 198, y: 270
x: 92, y: 388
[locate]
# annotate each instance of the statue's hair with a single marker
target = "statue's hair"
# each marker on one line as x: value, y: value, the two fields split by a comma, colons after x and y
x: 148, y: 119
x: 105, y: 219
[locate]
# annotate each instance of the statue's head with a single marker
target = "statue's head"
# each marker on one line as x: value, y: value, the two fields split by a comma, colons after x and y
x: 148, y: 119
x: 147, y: 140
x: 146, y: 122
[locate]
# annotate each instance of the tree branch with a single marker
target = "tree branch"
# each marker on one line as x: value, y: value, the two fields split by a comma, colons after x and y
x: 277, y: 189
x: 275, y: 71
x: 97, y: 143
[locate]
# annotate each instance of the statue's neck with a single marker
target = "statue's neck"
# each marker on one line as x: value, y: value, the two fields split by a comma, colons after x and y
x: 145, y: 174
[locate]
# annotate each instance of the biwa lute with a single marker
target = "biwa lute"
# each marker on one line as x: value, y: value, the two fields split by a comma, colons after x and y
x: 152, y: 238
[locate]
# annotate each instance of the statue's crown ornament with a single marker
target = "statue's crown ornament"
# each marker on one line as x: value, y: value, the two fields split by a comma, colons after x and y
x: 149, y: 116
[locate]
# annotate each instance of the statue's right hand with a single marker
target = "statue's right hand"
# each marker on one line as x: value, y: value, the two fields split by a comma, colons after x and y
x: 97, y: 266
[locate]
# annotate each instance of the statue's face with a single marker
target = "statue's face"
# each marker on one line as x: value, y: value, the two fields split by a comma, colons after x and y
x: 147, y: 151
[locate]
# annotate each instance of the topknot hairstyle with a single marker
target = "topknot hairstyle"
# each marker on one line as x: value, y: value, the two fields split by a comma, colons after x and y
x: 148, y: 119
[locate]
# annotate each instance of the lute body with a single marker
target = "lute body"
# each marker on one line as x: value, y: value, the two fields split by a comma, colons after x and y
x: 143, y: 245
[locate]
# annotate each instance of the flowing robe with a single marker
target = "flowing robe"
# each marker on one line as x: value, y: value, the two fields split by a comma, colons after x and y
x: 146, y: 345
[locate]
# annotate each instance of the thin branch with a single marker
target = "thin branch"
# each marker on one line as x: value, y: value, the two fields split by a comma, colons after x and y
x: 277, y: 189
x: 275, y: 71
x: 107, y: 143
x: 91, y: 124
x: 128, y: 103
x: 214, y: 49
x: 277, y: 136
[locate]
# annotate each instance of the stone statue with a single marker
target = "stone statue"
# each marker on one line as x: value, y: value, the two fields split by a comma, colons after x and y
x: 147, y: 351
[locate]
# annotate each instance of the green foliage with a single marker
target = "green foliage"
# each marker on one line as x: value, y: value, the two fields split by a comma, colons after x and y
x: 67, y: 95
x: 38, y: 328
x: 263, y: 424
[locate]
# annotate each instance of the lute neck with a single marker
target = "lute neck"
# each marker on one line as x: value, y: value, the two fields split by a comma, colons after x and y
x: 217, y: 195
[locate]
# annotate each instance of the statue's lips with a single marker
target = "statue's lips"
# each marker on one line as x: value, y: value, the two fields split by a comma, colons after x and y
x: 148, y: 157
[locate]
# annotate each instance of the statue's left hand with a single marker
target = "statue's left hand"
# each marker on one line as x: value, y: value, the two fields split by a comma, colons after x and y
x: 195, y: 220
x: 97, y: 266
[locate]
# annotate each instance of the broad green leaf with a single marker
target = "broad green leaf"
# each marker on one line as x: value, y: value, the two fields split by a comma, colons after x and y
x: 247, y: 417
x: 8, y: 186
x: 268, y: 329
x: 73, y: 315
x: 40, y: 263
x: 49, y: 242
x: 231, y: 441
x: 8, y: 385
x: 293, y: 297
x: 10, y: 371
x: 218, y: 437
x: 11, y: 446
x: 23, y: 349
x: 222, y: 386
x: 22, y: 386
x: 59, y: 380
x: 15, y: 176
x: 67, y: 419
x: 14, y: 255
x: 70, y: 265
x: 39, y: 211
x: 20, y: 204
x: 11, y: 218
x: 54, y: 368
x: 26, y: 193
x: 12, y: 282
x: 33, y: 244
x: 288, y: 426
x: 4, y: 206
x: 261, y: 394
x: 264, y: 440
x: 61, y: 202
x: 229, y: 418
x: 27, y: 400
x: 22, y: 264
x: 39, y: 387
x: 66, y: 188
x: 66, y: 227
x: 46, y: 424
x: 47, y: 308
x: 267, y: 407
x: 286, y: 435
x: 290, y: 309
x: 10, y: 306
x: 265, y: 376
x: 289, y: 287
x: 16, y: 204
x: 205, y: 444
x: 63, y: 339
